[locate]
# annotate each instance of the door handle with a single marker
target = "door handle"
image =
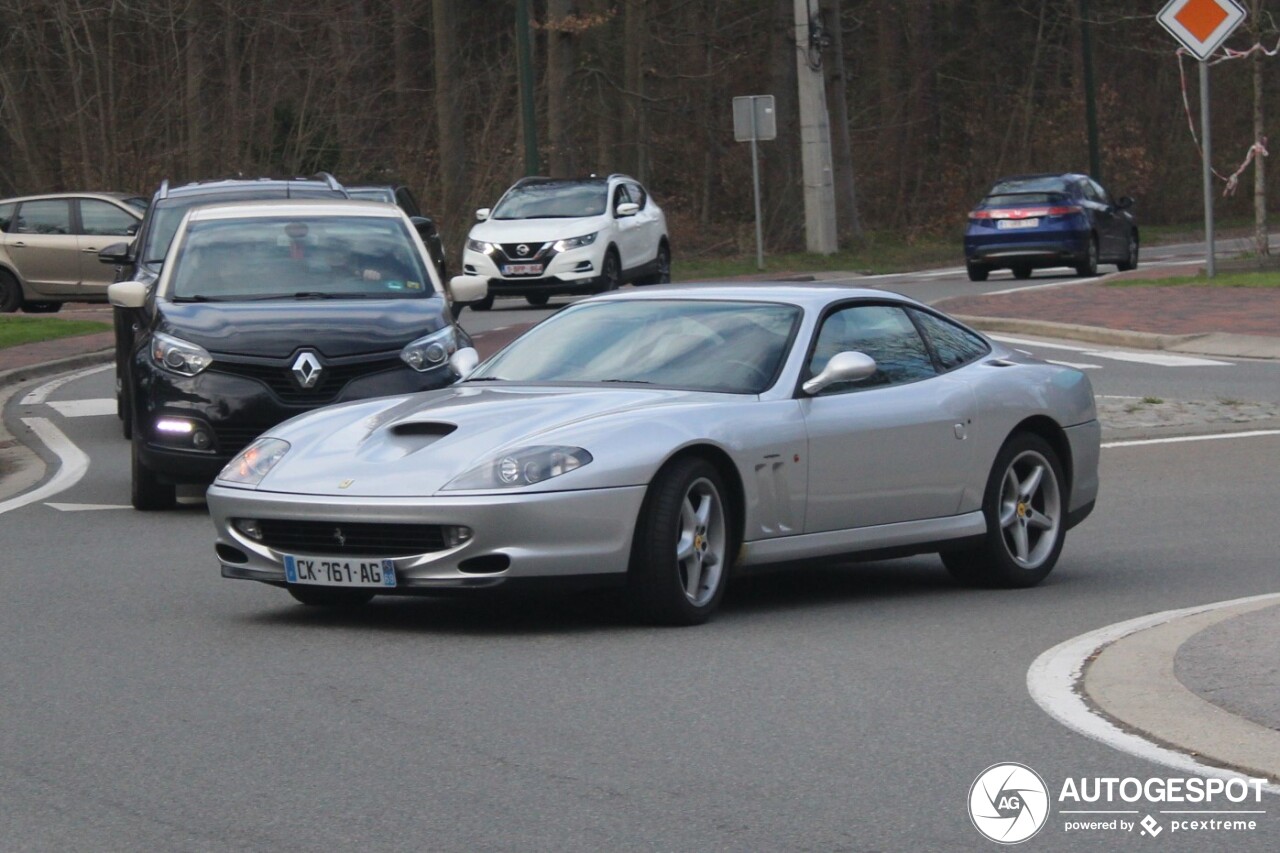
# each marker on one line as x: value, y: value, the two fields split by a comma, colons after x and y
x: 90, y: 250
x: 18, y: 245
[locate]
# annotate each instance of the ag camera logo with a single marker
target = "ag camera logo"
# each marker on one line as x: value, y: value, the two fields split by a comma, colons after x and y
x: 1008, y: 803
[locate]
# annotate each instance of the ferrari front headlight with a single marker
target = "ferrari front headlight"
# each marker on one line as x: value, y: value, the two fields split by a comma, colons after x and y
x: 523, y: 467
x: 250, y: 465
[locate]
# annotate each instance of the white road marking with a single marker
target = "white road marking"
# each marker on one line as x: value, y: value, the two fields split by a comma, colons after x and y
x: 1004, y: 339
x: 84, y: 408
x: 1043, y: 286
x: 85, y: 507
x: 1054, y: 677
x: 1180, y: 439
x: 1160, y: 359
x: 1075, y: 365
x: 39, y: 395
x: 74, y: 464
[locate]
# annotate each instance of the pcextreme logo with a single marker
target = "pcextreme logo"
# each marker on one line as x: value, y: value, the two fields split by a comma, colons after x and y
x: 1008, y: 803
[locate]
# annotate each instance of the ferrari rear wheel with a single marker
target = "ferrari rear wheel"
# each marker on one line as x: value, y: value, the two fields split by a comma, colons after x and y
x: 1025, y: 508
x: 681, y: 554
x: 325, y: 596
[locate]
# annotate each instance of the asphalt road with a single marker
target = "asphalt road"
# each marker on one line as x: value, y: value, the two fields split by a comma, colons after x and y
x: 148, y: 704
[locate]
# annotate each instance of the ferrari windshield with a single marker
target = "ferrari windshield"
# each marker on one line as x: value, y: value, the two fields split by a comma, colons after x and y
x: 553, y: 200
x: 315, y: 257
x: 702, y: 345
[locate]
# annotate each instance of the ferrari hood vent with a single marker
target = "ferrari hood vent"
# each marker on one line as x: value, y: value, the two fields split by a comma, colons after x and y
x: 423, y: 428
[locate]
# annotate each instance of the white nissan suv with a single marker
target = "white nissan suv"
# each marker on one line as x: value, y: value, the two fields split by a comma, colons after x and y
x: 548, y: 236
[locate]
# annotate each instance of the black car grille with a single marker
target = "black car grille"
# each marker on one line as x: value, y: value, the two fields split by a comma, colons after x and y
x: 278, y: 376
x: 355, y: 538
x: 232, y: 438
x: 537, y: 252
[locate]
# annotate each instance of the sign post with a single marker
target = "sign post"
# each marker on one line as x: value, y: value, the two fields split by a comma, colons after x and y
x: 754, y: 119
x: 1202, y: 26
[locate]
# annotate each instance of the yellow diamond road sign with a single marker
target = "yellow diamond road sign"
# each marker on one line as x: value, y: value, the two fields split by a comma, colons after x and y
x: 1201, y: 25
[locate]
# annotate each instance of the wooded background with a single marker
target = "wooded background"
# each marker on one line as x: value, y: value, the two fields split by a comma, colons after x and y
x: 938, y: 97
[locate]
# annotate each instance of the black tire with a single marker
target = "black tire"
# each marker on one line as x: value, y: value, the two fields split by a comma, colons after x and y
x: 124, y: 400
x: 1022, y: 273
x: 481, y: 304
x: 537, y: 300
x: 124, y: 405
x: 1088, y: 265
x: 1131, y: 259
x: 1012, y: 515
x: 611, y: 273
x: 10, y: 293
x: 327, y: 596
x: 42, y: 307
x: 662, y: 271
x: 684, y: 512
x: 977, y: 272
x: 148, y: 493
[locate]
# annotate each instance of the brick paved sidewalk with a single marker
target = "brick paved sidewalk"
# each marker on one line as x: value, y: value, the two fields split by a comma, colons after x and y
x: 1163, y: 310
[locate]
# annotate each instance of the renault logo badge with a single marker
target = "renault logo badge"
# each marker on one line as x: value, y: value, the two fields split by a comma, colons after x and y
x: 307, y: 370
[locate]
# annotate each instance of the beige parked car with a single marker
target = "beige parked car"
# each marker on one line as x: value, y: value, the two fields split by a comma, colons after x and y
x: 49, y: 247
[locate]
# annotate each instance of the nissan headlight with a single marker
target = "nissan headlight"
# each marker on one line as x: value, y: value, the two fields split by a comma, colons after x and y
x: 254, y: 462
x: 523, y: 467
x: 480, y: 246
x: 178, y: 356
x: 575, y: 242
x: 432, y: 351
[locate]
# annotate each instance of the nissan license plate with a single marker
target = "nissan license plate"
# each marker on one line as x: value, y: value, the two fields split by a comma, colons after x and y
x: 1009, y: 224
x: 340, y: 571
x: 522, y: 269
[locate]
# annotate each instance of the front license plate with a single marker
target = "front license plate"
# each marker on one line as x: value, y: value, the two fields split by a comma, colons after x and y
x: 340, y: 571
x: 522, y: 269
x: 1009, y: 224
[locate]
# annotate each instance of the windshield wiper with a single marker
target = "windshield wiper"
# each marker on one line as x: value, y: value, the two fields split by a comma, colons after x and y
x: 486, y: 379
x: 629, y: 381
x: 199, y: 297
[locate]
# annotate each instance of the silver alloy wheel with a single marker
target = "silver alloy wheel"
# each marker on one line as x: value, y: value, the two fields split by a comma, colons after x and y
x: 701, y: 546
x: 1030, y: 509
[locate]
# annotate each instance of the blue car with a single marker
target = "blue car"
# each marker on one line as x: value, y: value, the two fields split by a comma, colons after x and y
x: 1028, y: 222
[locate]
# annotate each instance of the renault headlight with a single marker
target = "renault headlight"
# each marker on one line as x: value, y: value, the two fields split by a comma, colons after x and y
x: 178, y: 356
x: 254, y: 462
x: 575, y: 242
x: 523, y: 467
x: 479, y: 246
x: 432, y: 351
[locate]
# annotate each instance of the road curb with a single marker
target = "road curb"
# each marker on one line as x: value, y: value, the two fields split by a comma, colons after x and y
x: 1076, y: 332
x: 1132, y: 682
x: 60, y: 365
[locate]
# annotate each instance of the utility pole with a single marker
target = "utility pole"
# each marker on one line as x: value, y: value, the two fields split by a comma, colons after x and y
x: 524, y: 59
x: 815, y: 132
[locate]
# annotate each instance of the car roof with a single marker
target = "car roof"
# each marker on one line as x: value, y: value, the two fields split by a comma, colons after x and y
x: 118, y: 196
x: 242, y: 185
x: 810, y: 295
x: 293, y: 207
x: 542, y: 180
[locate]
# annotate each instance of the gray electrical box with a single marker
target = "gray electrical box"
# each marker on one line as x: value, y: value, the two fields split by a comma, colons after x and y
x: 754, y: 118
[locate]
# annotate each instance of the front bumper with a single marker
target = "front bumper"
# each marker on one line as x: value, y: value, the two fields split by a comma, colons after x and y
x: 233, y: 410
x: 553, y: 535
x: 574, y: 271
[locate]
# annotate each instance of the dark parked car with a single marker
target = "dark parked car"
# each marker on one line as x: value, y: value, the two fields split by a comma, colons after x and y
x: 1028, y: 222
x: 403, y: 198
x: 142, y: 258
x: 266, y: 309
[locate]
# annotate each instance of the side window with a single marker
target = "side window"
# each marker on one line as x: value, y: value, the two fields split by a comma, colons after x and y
x: 638, y: 195
x: 6, y: 215
x: 407, y: 203
x: 1099, y: 194
x: 885, y: 333
x: 103, y: 218
x: 954, y: 345
x: 620, y: 197
x: 52, y: 216
x: 1087, y: 190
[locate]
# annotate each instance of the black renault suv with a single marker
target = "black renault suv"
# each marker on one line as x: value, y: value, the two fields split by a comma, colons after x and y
x: 267, y: 309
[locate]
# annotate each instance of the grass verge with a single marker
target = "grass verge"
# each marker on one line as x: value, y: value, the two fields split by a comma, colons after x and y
x: 876, y: 255
x: 24, y: 330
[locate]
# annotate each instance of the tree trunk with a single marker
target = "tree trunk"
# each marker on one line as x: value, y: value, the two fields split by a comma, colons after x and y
x: 449, y: 120
x: 561, y: 60
x: 1261, y: 241
x: 841, y: 147
x: 636, y: 122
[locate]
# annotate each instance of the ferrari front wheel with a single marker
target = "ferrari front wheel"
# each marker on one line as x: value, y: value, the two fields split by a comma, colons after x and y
x: 681, y: 554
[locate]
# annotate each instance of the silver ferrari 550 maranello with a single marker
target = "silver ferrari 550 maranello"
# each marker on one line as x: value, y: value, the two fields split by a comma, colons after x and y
x: 664, y: 439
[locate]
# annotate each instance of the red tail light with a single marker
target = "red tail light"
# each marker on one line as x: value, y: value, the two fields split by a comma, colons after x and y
x: 1026, y: 212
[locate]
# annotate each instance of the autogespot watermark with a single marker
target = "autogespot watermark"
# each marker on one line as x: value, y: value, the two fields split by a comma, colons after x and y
x: 1010, y: 802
